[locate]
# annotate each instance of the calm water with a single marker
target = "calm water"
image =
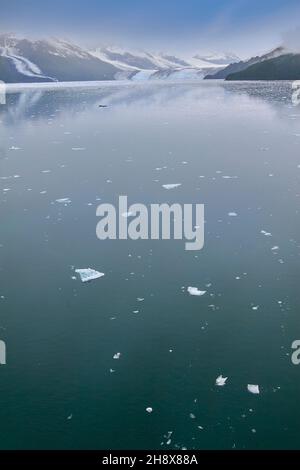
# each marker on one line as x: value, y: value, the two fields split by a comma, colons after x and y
x: 235, y: 148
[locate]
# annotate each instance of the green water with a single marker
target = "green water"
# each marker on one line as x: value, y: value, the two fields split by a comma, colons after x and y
x: 233, y: 147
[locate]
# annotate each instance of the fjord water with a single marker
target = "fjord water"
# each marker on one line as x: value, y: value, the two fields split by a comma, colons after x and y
x: 234, y: 147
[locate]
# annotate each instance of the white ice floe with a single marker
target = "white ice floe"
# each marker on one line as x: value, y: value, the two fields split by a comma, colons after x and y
x: 63, y: 200
x: 275, y: 248
x: 149, y: 409
x: 232, y: 214
x: 221, y: 381
x: 88, y: 274
x: 70, y: 416
x: 117, y: 355
x: 253, y: 389
x: 256, y: 307
x: 171, y: 186
x: 78, y: 149
x: 195, y: 291
x: 267, y: 234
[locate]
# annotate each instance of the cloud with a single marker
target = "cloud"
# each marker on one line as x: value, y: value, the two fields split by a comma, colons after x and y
x: 291, y: 39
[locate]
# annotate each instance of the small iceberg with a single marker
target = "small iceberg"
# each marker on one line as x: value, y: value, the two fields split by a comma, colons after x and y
x: 117, y: 355
x: 195, y: 291
x: 149, y: 409
x: 253, y: 389
x: 266, y: 234
x: 171, y: 186
x: 88, y: 274
x: 63, y: 200
x: 221, y: 381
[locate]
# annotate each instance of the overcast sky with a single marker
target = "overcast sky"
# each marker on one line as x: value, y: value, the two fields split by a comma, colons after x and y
x: 245, y: 27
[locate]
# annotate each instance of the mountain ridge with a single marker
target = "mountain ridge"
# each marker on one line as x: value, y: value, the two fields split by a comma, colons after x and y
x: 41, y: 60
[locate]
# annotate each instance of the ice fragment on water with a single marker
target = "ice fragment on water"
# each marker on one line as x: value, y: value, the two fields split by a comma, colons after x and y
x: 267, y: 234
x: 195, y: 291
x: 253, y: 389
x: 221, y: 381
x: 171, y: 186
x: 88, y: 274
x: 63, y: 200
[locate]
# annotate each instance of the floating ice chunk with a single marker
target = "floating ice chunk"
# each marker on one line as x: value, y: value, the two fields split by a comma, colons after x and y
x: 78, y: 149
x: 253, y: 389
x: 192, y: 416
x: 171, y: 186
x: 14, y: 148
x: 256, y: 307
x: 70, y: 416
x: 267, y: 234
x: 149, y: 409
x: 117, y: 355
x: 195, y: 291
x: 232, y: 214
x: 275, y: 248
x: 63, y: 200
x: 221, y: 381
x: 88, y: 274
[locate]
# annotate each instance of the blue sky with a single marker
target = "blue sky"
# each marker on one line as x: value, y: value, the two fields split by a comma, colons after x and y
x: 243, y: 26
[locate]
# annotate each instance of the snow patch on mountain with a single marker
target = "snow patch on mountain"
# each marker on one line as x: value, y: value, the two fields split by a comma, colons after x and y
x: 23, y: 66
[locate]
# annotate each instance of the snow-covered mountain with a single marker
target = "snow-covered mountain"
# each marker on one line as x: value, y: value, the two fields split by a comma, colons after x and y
x: 141, y: 65
x: 138, y: 60
x: 44, y: 60
x: 215, y: 58
x: 25, y: 60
